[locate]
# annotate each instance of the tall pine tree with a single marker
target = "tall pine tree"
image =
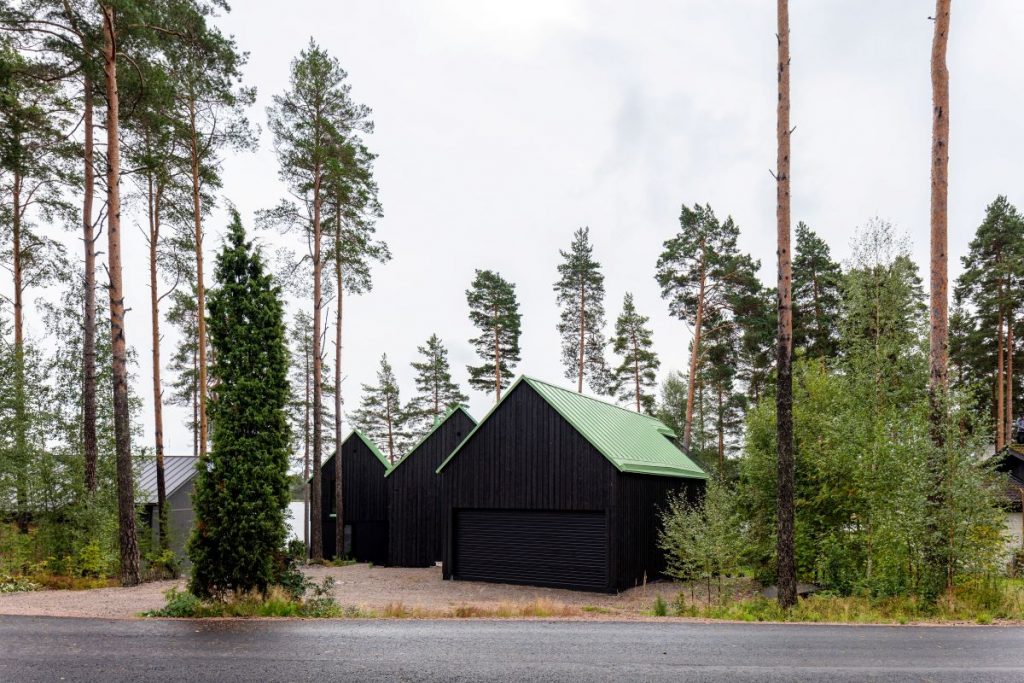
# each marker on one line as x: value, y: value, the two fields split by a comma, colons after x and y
x: 634, y: 379
x: 381, y: 415
x: 580, y: 295
x: 436, y: 391
x: 242, y: 489
x: 494, y: 309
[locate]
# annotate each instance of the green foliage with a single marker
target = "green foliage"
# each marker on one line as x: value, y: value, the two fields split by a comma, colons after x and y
x: 437, y: 392
x: 634, y: 379
x: 381, y: 415
x: 494, y: 310
x: 703, y: 540
x: 817, y: 292
x: 580, y: 296
x: 17, y: 584
x: 314, y: 600
x: 660, y: 607
x: 241, y: 489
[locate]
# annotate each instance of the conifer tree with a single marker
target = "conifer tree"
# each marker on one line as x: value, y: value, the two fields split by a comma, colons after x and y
x: 381, y: 416
x: 580, y: 295
x: 494, y: 309
x: 242, y: 488
x: 817, y: 282
x: 436, y: 391
x: 635, y: 377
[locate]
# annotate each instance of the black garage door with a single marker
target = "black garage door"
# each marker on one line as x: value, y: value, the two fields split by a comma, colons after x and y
x: 557, y: 548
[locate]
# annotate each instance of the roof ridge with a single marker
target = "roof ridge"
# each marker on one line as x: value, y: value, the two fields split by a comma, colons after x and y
x: 434, y: 428
x: 629, y: 411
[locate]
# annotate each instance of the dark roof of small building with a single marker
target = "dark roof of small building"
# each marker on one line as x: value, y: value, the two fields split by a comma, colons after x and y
x: 1013, y: 488
x: 178, y: 471
x: 633, y: 442
x: 437, y: 425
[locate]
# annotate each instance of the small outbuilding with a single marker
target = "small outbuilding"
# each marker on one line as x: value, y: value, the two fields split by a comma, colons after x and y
x: 1010, y: 461
x: 179, y: 484
x: 554, y: 488
x: 415, y: 498
x: 364, y: 500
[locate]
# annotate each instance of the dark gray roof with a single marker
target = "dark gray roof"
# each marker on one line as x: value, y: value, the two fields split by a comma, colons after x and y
x: 178, y: 471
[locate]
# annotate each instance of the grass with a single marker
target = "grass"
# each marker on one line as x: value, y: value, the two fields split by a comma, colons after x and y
x: 982, y: 602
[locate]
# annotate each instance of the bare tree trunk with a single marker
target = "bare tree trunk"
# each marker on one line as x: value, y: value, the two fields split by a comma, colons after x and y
x: 89, y: 442
x: 636, y: 369
x: 497, y: 361
x: 195, y: 404
x: 583, y: 335
x: 154, y: 195
x: 305, y: 457
x: 1009, y: 376
x: 721, y: 433
x: 122, y: 429
x: 784, y: 395
x: 694, y: 353
x: 1000, y: 379
x: 197, y: 219
x: 317, y: 541
x: 339, y: 527
x: 20, y: 409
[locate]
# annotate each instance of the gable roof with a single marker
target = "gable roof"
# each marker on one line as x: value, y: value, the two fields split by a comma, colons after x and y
x: 178, y: 471
x: 371, y: 445
x: 633, y: 442
x: 423, y: 439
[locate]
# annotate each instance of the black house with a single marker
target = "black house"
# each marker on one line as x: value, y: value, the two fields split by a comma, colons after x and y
x: 554, y: 488
x: 415, y: 498
x: 365, y: 499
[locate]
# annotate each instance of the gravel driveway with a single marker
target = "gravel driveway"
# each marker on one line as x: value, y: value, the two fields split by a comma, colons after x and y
x: 372, y: 588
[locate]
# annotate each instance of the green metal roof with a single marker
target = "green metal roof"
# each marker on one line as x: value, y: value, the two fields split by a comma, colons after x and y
x: 631, y: 441
x: 437, y: 425
x: 372, y: 446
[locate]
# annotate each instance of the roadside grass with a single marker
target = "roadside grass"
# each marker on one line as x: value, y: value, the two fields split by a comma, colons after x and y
x: 982, y: 601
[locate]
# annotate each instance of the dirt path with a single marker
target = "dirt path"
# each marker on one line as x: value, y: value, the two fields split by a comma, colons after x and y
x: 360, y: 585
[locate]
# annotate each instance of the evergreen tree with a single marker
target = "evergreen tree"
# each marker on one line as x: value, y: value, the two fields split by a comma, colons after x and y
x: 242, y: 488
x: 381, y: 416
x: 494, y: 309
x: 436, y: 391
x: 634, y: 379
x: 580, y: 295
x: 817, y: 282
x: 672, y: 401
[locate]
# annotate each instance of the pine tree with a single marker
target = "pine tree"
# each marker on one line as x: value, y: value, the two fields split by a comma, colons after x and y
x: 494, y: 309
x: 381, y: 416
x: 635, y: 377
x: 580, y: 295
x: 817, y: 282
x: 242, y: 489
x: 436, y: 391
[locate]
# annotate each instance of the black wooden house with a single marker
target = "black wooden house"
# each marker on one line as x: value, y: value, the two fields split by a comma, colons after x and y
x: 365, y: 500
x: 555, y: 488
x: 415, y: 497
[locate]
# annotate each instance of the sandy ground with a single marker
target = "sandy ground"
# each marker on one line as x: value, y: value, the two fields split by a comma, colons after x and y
x: 359, y: 585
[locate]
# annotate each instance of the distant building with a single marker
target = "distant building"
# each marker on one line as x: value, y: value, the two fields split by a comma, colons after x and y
x: 1010, y: 461
x: 179, y: 483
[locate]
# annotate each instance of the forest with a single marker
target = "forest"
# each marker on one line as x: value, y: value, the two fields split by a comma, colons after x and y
x: 830, y: 391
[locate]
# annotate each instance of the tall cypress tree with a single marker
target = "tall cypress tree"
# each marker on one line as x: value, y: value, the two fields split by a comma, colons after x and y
x: 436, y: 391
x: 494, y: 309
x: 381, y: 416
x: 634, y: 379
x: 817, y: 291
x: 580, y: 294
x: 242, y: 489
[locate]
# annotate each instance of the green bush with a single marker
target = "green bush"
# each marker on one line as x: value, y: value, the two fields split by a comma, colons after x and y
x: 660, y: 607
x: 16, y: 584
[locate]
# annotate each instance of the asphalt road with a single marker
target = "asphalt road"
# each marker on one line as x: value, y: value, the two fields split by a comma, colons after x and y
x: 55, y: 649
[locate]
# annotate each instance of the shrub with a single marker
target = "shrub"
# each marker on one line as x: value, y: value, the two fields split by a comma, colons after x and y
x: 16, y: 584
x: 660, y: 608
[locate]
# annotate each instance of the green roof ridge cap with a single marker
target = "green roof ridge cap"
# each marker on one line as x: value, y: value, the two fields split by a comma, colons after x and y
x: 434, y: 428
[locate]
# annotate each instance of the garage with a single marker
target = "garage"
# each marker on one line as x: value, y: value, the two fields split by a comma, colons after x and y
x: 555, y: 488
x: 562, y: 549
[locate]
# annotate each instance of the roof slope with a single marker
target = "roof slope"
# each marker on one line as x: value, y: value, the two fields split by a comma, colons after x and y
x: 633, y: 442
x: 423, y: 439
x: 372, y: 446
x: 178, y: 471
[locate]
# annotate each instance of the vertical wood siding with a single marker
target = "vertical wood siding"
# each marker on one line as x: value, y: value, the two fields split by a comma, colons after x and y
x: 365, y: 497
x: 415, y: 510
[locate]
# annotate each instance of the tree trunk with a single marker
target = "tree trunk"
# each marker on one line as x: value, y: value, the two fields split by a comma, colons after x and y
x: 197, y: 219
x: 154, y: 194
x: 122, y: 428
x: 89, y: 442
x: 1000, y: 378
x: 497, y: 359
x: 636, y: 369
x: 583, y: 335
x: 694, y: 352
x: 305, y: 439
x: 317, y: 540
x: 20, y: 409
x: 784, y: 394
x: 1009, y: 376
x: 339, y: 526
x: 721, y: 434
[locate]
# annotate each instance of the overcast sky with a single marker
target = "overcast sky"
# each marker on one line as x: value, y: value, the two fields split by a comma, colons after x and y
x: 501, y: 127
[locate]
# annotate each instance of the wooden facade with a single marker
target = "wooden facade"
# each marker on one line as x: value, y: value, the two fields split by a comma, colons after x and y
x: 415, y: 497
x: 525, y: 459
x: 365, y: 501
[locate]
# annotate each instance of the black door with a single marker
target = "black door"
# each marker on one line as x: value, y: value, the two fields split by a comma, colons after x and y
x: 540, y: 548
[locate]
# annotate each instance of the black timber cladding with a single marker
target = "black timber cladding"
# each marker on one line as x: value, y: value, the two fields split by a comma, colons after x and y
x: 415, y: 496
x: 365, y: 501
x: 526, y: 457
